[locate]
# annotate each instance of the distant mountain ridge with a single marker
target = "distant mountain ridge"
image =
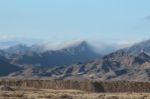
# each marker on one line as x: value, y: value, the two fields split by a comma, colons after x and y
x: 140, y: 47
x: 81, y: 62
x: 115, y: 66
x: 125, y: 64
x: 24, y: 55
x: 6, y: 68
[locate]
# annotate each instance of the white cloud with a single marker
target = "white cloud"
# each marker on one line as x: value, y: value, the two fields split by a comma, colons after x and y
x: 60, y: 45
x: 98, y: 46
x: 127, y: 43
x: 6, y: 37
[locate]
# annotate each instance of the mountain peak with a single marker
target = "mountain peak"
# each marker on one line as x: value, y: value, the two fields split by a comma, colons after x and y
x: 83, y: 43
x: 81, y: 46
x: 76, y: 44
x: 138, y: 48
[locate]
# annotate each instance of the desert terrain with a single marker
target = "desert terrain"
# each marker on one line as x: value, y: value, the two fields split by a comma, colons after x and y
x: 69, y: 89
x: 33, y: 93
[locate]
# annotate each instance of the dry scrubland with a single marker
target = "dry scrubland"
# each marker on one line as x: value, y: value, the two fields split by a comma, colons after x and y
x: 67, y: 94
x: 70, y: 89
x: 85, y: 85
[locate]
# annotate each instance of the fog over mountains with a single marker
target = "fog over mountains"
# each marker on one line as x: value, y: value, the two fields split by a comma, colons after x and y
x: 39, y: 56
x: 137, y: 48
x: 99, y: 46
x: 77, y: 60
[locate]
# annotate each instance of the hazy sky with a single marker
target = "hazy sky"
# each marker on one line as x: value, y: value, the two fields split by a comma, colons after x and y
x: 58, y: 20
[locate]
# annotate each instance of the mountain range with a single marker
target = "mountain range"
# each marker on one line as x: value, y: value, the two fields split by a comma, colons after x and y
x: 80, y: 61
x: 24, y: 55
x: 34, y: 56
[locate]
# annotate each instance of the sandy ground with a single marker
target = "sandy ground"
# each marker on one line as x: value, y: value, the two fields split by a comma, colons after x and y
x: 32, y: 93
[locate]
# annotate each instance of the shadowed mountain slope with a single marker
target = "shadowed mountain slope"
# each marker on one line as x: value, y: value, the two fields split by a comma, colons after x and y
x: 73, y: 54
x: 7, y: 68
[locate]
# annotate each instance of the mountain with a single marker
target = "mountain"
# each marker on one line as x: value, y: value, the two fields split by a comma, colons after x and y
x: 79, y: 61
x: 4, y: 44
x: 17, y: 49
x: 139, y: 47
x: 109, y: 66
x: 118, y: 65
x: 7, y: 68
x: 115, y: 66
x: 80, y: 52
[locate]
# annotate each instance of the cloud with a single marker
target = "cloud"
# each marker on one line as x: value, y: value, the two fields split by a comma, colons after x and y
x: 60, y: 45
x: 126, y: 43
x: 6, y: 37
x: 98, y: 46
x: 10, y: 40
x: 113, y: 45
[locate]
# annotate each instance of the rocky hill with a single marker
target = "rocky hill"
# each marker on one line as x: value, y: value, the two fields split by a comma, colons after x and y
x: 115, y: 66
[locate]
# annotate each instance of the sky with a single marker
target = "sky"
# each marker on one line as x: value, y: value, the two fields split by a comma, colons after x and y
x: 122, y: 21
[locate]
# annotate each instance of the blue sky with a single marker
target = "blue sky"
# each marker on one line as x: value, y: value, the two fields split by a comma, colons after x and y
x: 59, y: 20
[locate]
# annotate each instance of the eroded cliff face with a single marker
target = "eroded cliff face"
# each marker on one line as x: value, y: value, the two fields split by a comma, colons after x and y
x: 91, y: 86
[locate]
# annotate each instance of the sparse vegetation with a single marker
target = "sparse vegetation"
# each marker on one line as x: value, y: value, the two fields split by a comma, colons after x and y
x: 60, y: 89
x: 67, y: 94
x: 12, y: 94
x: 86, y: 85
